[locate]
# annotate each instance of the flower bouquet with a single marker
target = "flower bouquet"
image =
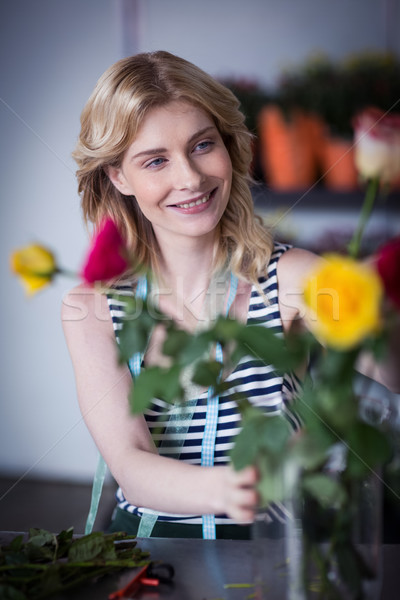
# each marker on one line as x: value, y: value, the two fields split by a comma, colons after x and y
x: 324, y: 470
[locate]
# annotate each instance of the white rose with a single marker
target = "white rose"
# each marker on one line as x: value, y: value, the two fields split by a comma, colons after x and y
x: 377, y: 144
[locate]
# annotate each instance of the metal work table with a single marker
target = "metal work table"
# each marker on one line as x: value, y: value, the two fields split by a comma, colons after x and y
x: 205, y: 569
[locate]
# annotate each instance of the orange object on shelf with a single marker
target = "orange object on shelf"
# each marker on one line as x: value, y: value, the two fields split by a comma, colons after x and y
x: 286, y: 149
x: 337, y: 164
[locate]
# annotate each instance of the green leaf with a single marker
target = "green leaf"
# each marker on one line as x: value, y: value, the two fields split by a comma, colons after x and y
x: 207, y: 372
x: 155, y: 382
x: 144, y: 389
x: 275, y: 433
x: 175, y: 342
x: 170, y: 388
x: 349, y: 568
x: 266, y: 346
x: 17, y: 543
x: 248, y: 411
x: 193, y: 347
x: 87, y: 547
x: 51, y: 581
x: 223, y: 386
x: 328, y: 491
x: 9, y: 592
x: 237, y: 353
x: 18, y: 558
x: 41, y: 545
x: 310, y: 452
x: 134, y: 336
x: 337, y: 406
x: 246, y: 448
x: 248, y: 441
x: 379, y: 345
x: 40, y: 537
x: 260, y: 435
x: 227, y: 330
x: 337, y: 366
x: 64, y: 539
x: 86, y: 557
x: 109, y: 552
x: 368, y: 447
x: 315, y: 422
x: 198, y: 346
x: 140, y: 318
x: 271, y: 486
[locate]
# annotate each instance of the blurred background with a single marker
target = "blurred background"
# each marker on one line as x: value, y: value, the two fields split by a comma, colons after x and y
x: 300, y: 68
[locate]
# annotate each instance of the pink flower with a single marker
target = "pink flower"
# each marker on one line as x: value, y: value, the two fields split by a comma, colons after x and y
x: 377, y: 144
x: 388, y: 265
x: 106, y: 256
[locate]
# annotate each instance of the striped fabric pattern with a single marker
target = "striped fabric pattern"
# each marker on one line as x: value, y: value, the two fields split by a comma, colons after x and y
x: 262, y: 386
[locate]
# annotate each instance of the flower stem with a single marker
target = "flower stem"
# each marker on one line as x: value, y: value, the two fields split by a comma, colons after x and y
x: 369, y: 201
x: 66, y: 272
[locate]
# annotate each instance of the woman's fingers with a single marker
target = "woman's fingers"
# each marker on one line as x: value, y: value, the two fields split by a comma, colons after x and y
x: 247, y: 476
x: 242, y: 497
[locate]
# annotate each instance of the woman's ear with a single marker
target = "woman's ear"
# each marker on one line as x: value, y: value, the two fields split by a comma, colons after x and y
x: 117, y: 178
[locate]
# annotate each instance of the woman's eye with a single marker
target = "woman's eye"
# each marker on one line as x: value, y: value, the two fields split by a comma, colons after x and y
x: 204, y: 145
x: 156, y: 162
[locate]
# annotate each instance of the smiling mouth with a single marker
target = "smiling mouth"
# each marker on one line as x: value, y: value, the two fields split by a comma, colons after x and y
x: 197, y: 202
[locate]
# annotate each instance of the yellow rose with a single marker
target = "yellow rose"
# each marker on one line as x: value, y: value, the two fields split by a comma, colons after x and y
x: 343, y: 299
x: 35, y: 265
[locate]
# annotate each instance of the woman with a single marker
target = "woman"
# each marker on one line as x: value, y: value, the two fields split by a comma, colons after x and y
x: 164, y: 151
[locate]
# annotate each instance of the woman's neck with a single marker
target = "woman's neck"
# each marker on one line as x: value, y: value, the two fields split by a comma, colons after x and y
x: 190, y: 259
x: 184, y: 278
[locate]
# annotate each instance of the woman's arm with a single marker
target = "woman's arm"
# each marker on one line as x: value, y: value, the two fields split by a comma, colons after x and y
x: 386, y: 371
x: 124, y: 441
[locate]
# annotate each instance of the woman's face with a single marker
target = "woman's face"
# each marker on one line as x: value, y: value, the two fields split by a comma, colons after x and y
x: 179, y: 170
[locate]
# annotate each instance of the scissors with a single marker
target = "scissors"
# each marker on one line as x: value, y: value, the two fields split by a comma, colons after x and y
x: 151, y: 574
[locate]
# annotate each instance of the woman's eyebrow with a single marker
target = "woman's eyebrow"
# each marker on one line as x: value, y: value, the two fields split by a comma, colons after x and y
x: 149, y: 152
x: 201, y: 132
x: 153, y: 151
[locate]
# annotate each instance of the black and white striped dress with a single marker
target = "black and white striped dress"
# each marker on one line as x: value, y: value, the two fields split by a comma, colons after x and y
x: 251, y: 378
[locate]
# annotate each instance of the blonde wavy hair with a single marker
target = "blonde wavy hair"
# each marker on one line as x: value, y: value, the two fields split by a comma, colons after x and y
x: 109, y: 123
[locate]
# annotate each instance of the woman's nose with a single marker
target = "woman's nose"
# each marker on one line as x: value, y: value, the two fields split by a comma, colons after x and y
x: 187, y: 174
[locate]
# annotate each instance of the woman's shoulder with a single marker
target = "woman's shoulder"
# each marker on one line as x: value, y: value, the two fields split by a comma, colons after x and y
x: 291, y: 261
x: 293, y: 267
x: 85, y: 313
x: 80, y: 300
x: 292, y: 257
x: 89, y: 333
x: 88, y: 298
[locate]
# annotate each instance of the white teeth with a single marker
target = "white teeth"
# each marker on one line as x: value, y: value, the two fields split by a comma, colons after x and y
x: 202, y: 200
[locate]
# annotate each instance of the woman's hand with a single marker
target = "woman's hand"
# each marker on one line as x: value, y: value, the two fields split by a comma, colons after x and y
x: 240, y: 494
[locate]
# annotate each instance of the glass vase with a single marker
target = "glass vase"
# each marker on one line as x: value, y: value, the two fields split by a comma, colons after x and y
x: 321, y: 553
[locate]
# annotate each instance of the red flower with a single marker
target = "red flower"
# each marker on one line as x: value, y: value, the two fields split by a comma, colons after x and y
x: 388, y: 265
x: 106, y: 256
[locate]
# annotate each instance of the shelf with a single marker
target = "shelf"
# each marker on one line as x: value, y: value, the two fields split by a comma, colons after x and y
x: 320, y: 199
x: 323, y: 220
